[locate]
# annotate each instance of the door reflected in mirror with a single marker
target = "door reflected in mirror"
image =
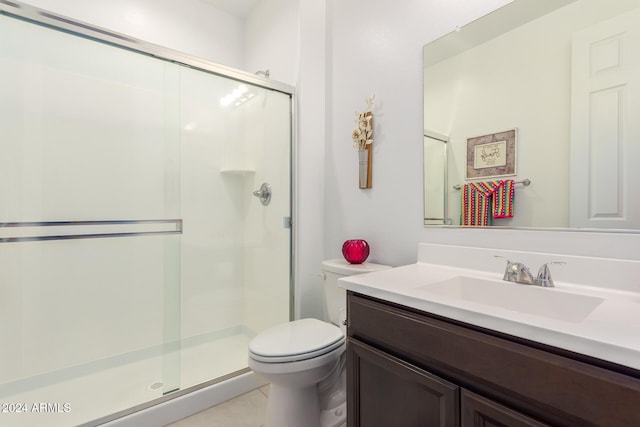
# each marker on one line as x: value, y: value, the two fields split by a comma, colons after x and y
x: 566, y: 75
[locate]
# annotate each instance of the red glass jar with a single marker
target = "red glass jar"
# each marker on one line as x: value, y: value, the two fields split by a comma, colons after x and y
x: 355, y: 251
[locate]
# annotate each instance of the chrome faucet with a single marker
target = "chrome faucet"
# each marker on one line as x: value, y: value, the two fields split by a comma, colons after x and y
x: 519, y: 273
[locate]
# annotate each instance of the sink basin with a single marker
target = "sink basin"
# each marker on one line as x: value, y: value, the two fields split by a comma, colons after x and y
x: 515, y: 297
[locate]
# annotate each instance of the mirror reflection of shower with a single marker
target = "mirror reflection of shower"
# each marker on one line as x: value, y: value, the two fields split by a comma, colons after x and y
x: 436, y: 206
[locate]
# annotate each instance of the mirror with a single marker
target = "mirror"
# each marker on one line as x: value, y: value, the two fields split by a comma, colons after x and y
x: 544, y: 92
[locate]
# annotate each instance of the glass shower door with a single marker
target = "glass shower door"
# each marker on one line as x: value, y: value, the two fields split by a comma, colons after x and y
x: 235, y: 275
x: 135, y: 261
x: 89, y: 227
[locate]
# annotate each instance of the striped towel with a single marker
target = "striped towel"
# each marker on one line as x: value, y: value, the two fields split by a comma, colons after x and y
x: 503, y: 199
x: 476, y: 202
x: 482, y: 201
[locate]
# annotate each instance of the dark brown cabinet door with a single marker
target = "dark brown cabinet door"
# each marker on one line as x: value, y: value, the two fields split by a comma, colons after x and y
x: 478, y: 411
x: 385, y: 391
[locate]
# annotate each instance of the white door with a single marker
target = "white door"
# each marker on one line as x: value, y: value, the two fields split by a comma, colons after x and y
x: 605, y: 125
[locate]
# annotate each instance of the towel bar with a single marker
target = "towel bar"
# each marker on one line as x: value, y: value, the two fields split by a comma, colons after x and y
x: 524, y: 182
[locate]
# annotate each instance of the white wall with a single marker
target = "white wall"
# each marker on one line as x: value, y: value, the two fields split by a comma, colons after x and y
x: 189, y: 26
x: 271, y: 39
x: 312, y: 81
x: 376, y: 47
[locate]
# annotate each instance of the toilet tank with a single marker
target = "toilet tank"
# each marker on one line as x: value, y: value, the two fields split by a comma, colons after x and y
x: 336, y: 297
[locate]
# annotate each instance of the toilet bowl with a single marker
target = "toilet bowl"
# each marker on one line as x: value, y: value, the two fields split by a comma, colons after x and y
x: 304, y: 360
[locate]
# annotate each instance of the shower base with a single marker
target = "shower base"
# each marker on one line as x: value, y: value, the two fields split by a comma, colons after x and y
x: 77, y: 395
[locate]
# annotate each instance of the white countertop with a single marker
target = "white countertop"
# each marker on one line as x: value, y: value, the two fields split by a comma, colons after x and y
x: 611, y: 331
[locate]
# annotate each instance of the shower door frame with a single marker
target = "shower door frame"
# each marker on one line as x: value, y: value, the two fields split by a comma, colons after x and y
x: 77, y: 28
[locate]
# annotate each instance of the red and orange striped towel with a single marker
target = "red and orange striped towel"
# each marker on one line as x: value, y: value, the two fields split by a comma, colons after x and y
x: 484, y: 200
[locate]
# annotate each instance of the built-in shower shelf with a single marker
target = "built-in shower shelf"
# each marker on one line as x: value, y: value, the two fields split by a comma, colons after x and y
x: 238, y: 171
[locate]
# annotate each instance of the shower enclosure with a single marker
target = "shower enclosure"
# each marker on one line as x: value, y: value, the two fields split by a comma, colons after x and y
x: 436, y: 187
x: 135, y: 261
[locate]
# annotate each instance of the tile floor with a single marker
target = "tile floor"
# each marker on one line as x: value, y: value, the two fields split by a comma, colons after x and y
x: 248, y: 410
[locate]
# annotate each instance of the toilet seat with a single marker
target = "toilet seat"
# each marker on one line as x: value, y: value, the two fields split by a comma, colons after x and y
x: 293, y: 341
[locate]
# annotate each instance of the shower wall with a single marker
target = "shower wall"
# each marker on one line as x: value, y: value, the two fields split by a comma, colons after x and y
x: 107, y: 142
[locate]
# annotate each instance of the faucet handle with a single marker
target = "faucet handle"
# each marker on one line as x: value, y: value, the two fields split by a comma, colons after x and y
x: 508, y: 273
x: 544, y: 275
x: 516, y: 272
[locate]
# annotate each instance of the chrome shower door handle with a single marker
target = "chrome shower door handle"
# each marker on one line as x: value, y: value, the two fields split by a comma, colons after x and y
x: 264, y: 194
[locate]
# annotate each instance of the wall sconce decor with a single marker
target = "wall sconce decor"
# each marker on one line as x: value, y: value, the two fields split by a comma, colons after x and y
x: 362, y: 137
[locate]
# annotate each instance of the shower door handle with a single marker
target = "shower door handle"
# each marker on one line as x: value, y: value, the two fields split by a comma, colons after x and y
x: 264, y: 193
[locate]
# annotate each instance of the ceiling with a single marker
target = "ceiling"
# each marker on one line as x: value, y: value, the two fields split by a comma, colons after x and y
x: 240, y: 8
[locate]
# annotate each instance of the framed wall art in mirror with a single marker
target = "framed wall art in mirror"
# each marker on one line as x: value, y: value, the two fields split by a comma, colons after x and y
x: 491, y: 156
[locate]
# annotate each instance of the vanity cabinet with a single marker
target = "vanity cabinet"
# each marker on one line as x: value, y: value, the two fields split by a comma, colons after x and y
x: 478, y: 411
x: 392, y: 392
x: 410, y: 368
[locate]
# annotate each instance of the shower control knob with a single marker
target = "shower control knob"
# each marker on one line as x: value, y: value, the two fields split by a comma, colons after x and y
x: 264, y: 194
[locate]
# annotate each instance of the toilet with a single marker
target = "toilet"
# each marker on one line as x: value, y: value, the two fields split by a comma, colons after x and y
x: 304, y: 360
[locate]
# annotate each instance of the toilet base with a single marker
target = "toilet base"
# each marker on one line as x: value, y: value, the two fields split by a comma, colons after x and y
x: 293, y: 407
x: 336, y: 417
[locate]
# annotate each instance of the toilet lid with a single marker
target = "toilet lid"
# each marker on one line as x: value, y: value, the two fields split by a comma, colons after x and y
x: 297, y: 340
